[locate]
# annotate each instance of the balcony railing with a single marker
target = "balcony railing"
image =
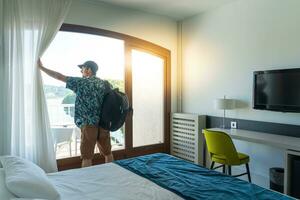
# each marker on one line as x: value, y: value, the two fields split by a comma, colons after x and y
x: 66, y: 135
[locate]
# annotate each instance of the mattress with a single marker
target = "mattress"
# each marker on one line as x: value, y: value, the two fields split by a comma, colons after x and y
x: 191, y: 181
x: 107, y: 182
x: 155, y: 176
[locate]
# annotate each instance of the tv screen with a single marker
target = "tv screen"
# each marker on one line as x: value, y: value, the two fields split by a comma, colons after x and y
x: 277, y: 90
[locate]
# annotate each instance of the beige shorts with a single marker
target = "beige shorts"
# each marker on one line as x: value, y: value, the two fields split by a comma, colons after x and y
x: 89, y: 134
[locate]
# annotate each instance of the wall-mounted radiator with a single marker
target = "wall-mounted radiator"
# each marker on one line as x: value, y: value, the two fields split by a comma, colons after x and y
x: 187, y: 141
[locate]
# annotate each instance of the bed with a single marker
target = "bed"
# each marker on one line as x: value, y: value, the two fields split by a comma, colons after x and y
x: 155, y: 176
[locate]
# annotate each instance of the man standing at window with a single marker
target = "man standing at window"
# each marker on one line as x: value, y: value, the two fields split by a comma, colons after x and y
x: 89, y: 91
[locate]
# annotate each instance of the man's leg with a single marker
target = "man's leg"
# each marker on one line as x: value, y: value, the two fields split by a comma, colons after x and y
x: 86, y: 162
x: 109, y: 158
x: 104, y: 145
x: 87, y: 146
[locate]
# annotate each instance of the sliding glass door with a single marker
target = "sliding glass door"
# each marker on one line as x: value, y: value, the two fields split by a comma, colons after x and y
x: 137, y: 67
x: 68, y: 50
x: 147, y: 98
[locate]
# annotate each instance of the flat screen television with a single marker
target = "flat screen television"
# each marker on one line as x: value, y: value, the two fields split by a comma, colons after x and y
x: 277, y: 90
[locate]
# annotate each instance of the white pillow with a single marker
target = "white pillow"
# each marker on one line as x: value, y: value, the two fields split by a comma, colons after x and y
x: 26, y: 180
x: 4, y: 193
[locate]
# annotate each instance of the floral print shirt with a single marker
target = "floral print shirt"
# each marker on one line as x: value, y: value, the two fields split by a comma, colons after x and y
x: 89, y: 97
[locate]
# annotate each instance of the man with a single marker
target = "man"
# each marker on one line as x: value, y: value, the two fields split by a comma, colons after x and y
x: 89, y: 97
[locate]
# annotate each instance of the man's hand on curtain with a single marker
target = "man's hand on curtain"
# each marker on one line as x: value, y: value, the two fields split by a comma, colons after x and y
x: 51, y: 73
x: 40, y: 64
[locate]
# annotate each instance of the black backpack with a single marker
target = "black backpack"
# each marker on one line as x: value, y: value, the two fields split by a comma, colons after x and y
x: 114, y: 110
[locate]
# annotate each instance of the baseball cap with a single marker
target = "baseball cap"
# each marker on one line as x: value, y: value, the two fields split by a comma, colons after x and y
x: 90, y: 64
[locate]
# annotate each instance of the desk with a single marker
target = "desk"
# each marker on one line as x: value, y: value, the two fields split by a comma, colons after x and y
x: 280, y: 141
x: 291, y: 145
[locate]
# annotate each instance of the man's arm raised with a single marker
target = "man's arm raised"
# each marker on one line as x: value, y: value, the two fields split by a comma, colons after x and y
x: 52, y: 73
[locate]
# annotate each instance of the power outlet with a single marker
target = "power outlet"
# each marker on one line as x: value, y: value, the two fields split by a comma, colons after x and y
x: 233, y: 124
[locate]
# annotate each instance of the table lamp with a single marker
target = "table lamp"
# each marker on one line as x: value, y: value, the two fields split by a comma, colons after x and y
x: 224, y: 104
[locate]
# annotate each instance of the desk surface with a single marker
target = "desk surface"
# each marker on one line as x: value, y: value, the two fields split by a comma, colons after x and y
x: 281, y: 141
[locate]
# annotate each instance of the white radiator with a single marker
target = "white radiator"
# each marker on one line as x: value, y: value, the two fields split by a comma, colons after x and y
x: 187, y: 141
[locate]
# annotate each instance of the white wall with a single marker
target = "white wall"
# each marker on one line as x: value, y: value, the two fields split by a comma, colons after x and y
x: 222, y: 48
x: 156, y: 29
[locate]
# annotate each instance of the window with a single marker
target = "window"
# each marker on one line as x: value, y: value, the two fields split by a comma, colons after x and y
x: 148, y: 118
x: 64, y: 54
x: 137, y: 67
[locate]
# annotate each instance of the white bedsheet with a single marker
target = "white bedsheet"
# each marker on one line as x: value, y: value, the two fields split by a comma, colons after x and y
x: 107, y: 182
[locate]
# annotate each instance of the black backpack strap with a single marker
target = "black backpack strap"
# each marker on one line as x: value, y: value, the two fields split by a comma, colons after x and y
x: 108, y: 88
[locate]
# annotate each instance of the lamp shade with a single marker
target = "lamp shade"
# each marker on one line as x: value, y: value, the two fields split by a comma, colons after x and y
x: 225, y: 104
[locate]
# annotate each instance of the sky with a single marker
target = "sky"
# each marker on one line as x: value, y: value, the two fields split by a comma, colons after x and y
x: 69, y: 49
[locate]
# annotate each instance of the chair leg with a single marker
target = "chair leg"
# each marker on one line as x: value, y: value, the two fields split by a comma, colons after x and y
x: 229, y: 170
x: 224, y: 167
x: 248, y: 172
x: 212, y: 164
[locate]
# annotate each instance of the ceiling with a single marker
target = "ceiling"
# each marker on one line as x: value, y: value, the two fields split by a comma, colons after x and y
x: 176, y: 9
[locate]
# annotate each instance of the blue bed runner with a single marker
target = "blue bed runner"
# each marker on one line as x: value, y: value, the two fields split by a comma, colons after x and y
x: 191, y: 181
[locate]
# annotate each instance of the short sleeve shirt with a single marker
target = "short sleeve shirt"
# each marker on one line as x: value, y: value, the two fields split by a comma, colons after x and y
x: 89, y: 97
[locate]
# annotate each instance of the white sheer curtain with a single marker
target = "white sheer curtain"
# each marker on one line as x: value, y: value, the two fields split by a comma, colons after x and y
x: 27, y: 27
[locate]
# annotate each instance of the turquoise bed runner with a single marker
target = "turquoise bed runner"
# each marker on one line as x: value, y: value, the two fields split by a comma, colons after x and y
x: 191, y: 181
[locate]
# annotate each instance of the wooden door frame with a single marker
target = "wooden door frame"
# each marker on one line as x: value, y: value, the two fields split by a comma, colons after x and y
x: 129, y: 43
